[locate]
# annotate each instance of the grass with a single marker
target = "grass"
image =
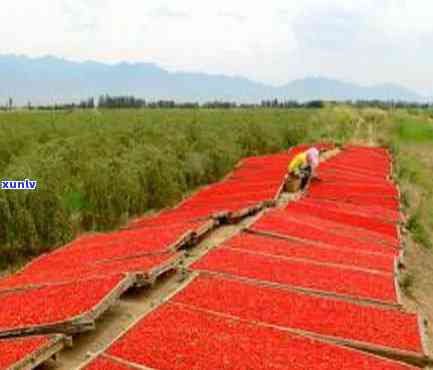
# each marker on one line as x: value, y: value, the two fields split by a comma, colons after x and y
x: 95, y: 169
x: 412, y: 129
x: 412, y: 140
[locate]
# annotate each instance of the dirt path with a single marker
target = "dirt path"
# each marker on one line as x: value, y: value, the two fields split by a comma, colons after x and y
x: 418, y: 294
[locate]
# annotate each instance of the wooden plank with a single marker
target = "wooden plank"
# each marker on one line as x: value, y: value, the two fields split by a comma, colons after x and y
x: 281, y: 189
x: 424, y: 335
x: 204, y: 229
x: 109, y: 301
x: 409, y: 357
x: 100, y: 355
x: 220, y: 216
x: 181, y: 241
x: 201, y: 232
x: 56, y: 344
x: 401, y: 257
x: 398, y: 292
x: 119, y: 360
x: 66, y: 327
x: 149, y: 278
x: 22, y: 288
x: 235, y: 217
x: 78, y: 324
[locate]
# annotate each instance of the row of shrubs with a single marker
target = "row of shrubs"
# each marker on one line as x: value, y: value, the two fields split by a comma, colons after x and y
x: 97, y: 169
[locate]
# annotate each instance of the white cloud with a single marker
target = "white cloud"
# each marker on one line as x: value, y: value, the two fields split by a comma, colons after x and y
x: 164, y: 12
x: 372, y: 41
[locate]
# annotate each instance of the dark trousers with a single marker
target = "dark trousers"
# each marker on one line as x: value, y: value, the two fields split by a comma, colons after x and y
x: 305, y: 175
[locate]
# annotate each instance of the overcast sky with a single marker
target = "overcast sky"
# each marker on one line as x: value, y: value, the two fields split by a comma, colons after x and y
x: 272, y: 41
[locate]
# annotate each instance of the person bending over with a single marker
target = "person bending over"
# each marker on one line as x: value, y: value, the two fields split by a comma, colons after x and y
x: 304, y: 166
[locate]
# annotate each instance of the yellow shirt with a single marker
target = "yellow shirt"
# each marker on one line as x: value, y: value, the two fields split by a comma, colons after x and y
x: 300, y: 161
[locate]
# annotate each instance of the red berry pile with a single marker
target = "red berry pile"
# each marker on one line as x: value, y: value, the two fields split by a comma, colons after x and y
x: 54, y: 271
x: 15, y: 350
x: 104, y: 363
x: 379, y: 229
x: 340, y: 239
x: 54, y: 303
x: 308, y: 251
x: 372, y: 212
x: 72, y: 280
x: 319, y: 315
x: 176, y: 337
x: 277, y: 222
x: 344, y: 281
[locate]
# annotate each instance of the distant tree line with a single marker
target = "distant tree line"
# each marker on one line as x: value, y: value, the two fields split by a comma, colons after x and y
x: 107, y: 101
x: 119, y: 102
x: 287, y: 104
x: 8, y: 106
x: 84, y: 104
x: 388, y: 104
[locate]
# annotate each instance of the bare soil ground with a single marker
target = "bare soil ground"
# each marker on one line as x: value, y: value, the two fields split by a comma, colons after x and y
x: 417, y: 281
x: 417, y: 275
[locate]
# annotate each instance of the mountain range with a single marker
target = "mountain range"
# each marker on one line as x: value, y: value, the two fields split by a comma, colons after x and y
x: 50, y: 79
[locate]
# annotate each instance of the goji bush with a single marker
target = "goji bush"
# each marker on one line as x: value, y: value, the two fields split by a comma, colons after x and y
x: 176, y: 337
x: 297, y: 249
x: 320, y: 315
x: 344, y: 281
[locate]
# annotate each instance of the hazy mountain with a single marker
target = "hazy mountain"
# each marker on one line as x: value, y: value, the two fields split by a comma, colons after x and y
x: 50, y: 79
x: 323, y: 88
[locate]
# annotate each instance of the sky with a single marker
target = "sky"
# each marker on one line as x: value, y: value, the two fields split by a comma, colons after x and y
x: 272, y: 41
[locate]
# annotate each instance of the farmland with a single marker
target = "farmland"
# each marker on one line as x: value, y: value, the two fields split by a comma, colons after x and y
x: 332, y: 258
x: 96, y: 169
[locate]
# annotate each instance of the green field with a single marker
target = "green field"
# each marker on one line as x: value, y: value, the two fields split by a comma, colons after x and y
x: 96, y: 169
